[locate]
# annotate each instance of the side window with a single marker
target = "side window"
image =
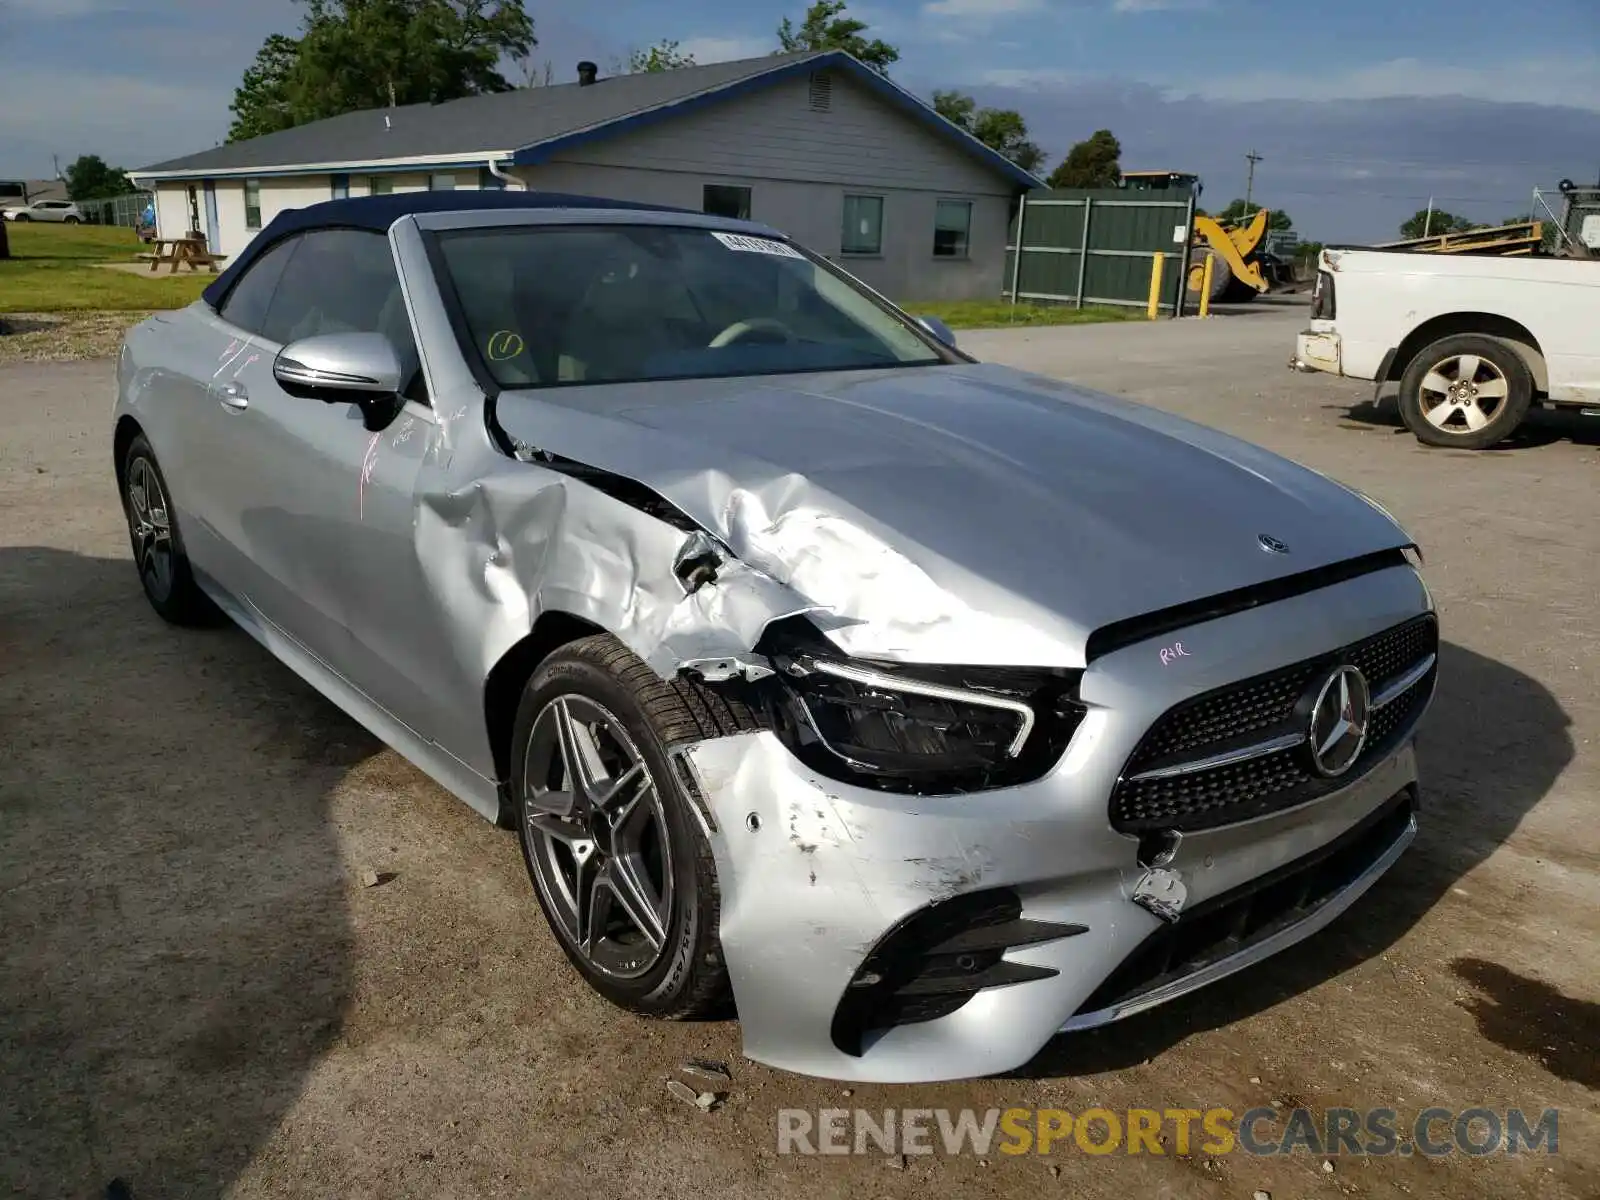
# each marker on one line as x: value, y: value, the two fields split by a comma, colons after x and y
x: 343, y: 281
x: 246, y: 305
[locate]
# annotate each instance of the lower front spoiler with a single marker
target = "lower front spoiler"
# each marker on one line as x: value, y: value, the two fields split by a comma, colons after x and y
x: 1395, y: 825
x: 818, y: 878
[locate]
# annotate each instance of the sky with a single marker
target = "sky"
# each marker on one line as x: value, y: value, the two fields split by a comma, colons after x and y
x: 1360, y: 109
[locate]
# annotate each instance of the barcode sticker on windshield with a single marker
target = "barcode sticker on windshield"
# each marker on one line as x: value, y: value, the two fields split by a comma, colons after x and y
x: 756, y: 245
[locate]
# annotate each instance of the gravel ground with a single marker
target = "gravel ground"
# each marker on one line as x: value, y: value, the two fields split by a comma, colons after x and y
x: 198, y: 996
x: 64, y: 337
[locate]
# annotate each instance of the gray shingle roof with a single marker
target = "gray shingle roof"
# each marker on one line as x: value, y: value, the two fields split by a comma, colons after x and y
x: 501, y: 121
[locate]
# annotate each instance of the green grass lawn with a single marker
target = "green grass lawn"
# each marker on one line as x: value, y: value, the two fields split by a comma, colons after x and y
x: 52, y: 269
x: 997, y: 314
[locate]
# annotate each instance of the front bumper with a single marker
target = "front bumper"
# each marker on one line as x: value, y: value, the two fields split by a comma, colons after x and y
x: 814, y: 873
x: 1316, y: 351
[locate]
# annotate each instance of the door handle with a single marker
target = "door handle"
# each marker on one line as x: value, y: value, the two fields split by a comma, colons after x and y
x: 233, y: 395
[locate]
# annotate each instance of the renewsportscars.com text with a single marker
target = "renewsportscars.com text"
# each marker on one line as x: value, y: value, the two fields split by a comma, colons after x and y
x: 1432, y: 1132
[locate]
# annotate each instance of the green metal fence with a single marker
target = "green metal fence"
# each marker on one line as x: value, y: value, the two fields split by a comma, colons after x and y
x: 1097, y: 246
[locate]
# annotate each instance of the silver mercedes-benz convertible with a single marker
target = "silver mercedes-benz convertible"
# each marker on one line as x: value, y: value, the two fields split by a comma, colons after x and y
x: 925, y: 707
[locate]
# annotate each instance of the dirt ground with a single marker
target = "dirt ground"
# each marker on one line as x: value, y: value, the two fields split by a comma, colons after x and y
x: 199, y: 997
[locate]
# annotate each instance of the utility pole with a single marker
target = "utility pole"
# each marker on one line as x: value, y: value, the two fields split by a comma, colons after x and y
x: 1427, y: 222
x: 1250, y: 181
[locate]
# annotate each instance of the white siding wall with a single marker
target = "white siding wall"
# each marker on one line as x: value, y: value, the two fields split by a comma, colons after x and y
x: 172, y: 204
x: 800, y: 165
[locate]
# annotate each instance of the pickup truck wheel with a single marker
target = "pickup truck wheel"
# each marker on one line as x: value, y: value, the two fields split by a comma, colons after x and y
x: 1467, y: 391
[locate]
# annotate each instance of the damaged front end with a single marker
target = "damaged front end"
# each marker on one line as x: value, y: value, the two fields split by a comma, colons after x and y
x: 918, y: 876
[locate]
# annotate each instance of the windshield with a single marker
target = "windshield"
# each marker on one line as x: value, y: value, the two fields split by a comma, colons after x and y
x: 548, y: 305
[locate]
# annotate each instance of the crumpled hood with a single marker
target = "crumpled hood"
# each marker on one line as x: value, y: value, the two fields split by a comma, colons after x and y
x: 963, y: 514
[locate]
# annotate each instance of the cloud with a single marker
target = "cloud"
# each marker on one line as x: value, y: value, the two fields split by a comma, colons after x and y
x: 127, y: 120
x: 712, y: 49
x: 1143, y: 6
x: 1573, y: 80
x: 1346, y: 169
x: 60, y: 10
x: 981, y: 9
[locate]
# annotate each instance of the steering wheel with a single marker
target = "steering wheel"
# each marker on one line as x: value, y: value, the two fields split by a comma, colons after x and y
x: 739, y: 330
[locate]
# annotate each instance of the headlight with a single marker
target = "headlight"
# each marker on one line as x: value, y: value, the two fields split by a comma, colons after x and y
x: 912, y: 728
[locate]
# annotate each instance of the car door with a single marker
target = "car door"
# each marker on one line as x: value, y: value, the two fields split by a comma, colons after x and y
x: 196, y: 430
x: 323, y: 503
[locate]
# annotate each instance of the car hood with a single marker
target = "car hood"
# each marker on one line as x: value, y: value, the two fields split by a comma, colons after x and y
x: 966, y: 513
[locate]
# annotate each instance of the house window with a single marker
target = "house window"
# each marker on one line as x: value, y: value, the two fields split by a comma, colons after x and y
x: 252, y: 204
x: 863, y: 225
x: 339, y: 185
x: 441, y: 183
x: 952, y: 228
x: 722, y: 200
x: 380, y: 185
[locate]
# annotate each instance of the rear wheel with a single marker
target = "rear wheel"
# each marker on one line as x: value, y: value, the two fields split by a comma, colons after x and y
x: 157, y: 543
x: 1468, y: 391
x: 616, y: 853
x: 70, y: 221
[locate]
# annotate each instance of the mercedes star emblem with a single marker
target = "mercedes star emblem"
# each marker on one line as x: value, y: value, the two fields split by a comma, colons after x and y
x: 1339, y: 722
x: 1271, y: 544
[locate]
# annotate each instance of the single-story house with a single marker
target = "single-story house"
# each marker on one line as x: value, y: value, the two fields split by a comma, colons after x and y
x: 815, y: 143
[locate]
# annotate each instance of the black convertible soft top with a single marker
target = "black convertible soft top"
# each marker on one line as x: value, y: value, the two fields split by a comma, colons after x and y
x: 380, y: 212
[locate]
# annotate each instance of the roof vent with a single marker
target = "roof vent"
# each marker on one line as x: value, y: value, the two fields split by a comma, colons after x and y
x: 587, y: 73
x: 821, y: 91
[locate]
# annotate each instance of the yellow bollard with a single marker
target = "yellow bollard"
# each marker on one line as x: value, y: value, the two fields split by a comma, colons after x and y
x: 1155, y: 285
x: 1205, y: 286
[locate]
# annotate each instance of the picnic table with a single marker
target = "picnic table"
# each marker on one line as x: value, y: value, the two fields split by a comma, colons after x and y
x: 187, y: 251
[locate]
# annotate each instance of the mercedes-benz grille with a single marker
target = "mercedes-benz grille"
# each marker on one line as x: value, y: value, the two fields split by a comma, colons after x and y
x: 1244, y: 750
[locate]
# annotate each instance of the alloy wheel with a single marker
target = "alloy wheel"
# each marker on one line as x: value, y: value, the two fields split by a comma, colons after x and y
x: 150, y: 523
x: 597, y: 836
x: 1463, y: 393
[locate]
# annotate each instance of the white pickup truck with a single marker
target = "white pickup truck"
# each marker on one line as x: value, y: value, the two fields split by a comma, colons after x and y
x: 1474, y: 340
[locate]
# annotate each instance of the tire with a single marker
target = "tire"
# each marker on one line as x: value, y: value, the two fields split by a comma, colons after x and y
x: 22, y: 218
x: 69, y: 221
x: 158, y: 556
x: 616, y: 707
x: 1221, y: 274
x: 1437, y: 410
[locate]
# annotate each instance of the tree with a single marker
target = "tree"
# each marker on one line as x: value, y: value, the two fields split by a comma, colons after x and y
x: 361, y: 54
x: 90, y: 179
x: 1001, y: 129
x: 261, y: 101
x: 1439, y: 222
x: 664, y: 56
x: 826, y: 28
x: 1239, y: 212
x: 1093, y: 163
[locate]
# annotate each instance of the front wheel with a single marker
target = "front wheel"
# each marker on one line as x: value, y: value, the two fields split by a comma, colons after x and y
x: 613, y: 846
x: 1467, y: 391
x: 23, y: 218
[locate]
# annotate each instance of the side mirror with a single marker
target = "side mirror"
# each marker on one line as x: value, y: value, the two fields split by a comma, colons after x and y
x: 355, y: 368
x: 939, y: 329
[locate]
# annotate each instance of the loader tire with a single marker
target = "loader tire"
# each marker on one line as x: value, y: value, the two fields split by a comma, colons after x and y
x: 1221, y: 274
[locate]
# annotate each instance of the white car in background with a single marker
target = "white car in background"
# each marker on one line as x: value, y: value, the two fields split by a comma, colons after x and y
x: 1473, y: 340
x: 64, y: 211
